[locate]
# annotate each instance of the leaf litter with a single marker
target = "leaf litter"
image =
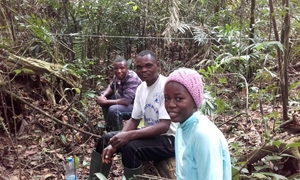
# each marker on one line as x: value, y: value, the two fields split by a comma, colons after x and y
x: 39, y: 150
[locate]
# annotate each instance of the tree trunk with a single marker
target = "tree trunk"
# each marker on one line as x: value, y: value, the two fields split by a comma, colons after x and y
x: 285, y: 41
x: 282, y: 71
x: 251, y: 36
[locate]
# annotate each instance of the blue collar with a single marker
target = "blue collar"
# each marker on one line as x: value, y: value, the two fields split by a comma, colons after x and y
x: 191, y: 121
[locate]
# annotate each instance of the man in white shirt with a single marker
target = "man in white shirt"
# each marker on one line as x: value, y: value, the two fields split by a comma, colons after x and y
x: 155, y: 141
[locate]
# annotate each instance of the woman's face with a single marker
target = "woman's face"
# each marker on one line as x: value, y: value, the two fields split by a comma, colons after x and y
x: 178, y: 102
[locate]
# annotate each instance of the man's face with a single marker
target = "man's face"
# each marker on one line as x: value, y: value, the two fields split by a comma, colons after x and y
x: 147, y: 69
x: 120, y: 69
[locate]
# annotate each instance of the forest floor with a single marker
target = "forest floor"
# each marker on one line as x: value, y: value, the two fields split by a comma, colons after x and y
x: 40, y: 146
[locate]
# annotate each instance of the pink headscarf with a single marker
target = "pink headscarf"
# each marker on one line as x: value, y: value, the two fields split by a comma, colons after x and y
x: 191, y: 80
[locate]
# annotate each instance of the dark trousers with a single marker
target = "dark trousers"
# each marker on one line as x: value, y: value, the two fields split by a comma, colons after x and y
x: 115, y: 114
x: 139, y: 150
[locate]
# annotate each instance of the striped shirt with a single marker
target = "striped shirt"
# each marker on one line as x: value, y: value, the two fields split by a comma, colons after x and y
x: 126, y: 87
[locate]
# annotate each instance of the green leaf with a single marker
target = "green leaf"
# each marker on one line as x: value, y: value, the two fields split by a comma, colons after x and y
x: 278, y: 44
x: 291, y: 145
x: 130, y: 3
x: 220, y: 105
x: 294, y: 85
x: 47, y: 39
x: 135, y: 7
x: 4, y: 46
x: 259, y: 168
x: 76, y: 160
x: 45, y: 150
x: 211, y: 106
x: 83, y: 102
x: 259, y: 175
x: 235, y: 173
x: 276, y: 143
x: 3, y: 27
x: 209, y: 69
x: 223, y: 80
x: 63, y: 138
x: 17, y: 71
x: 270, y: 158
x: 276, y: 176
x: 32, y: 15
x: 259, y: 46
x: 245, y: 170
x: 288, y: 155
x: 77, y: 90
x: 27, y: 71
x: 203, y: 72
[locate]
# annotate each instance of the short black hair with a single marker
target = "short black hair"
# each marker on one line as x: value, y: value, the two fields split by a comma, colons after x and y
x: 120, y: 59
x: 146, y: 52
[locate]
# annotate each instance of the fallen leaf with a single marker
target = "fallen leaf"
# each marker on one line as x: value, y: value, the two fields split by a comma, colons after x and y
x: 78, y: 137
x: 34, y: 163
x: 230, y: 140
x: 45, y: 176
x: 33, y: 147
x: 14, y: 178
x: 65, y: 119
x: 60, y: 156
x: 27, y: 153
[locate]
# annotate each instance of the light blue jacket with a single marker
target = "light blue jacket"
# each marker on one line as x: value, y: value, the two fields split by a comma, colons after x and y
x: 201, y: 150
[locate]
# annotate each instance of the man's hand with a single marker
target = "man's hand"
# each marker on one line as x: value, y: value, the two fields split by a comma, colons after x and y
x: 119, y: 139
x: 107, y: 154
x: 101, y: 100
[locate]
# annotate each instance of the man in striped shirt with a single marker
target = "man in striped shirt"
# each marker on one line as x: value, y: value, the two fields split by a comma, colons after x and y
x: 117, y: 100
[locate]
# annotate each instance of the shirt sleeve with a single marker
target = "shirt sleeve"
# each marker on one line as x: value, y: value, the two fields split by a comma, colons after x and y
x: 130, y: 90
x: 163, y: 114
x: 112, y: 84
x: 137, y: 112
x: 208, y: 155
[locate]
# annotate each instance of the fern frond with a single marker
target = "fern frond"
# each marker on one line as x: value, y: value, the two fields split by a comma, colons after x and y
x: 77, y: 47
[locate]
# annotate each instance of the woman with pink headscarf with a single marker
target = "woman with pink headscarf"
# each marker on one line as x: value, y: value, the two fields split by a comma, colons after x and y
x: 200, y: 147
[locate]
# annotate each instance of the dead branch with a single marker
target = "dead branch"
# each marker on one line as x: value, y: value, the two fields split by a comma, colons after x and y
x: 46, y: 114
x: 31, y: 66
x: 286, y: 123
x: 266, y: 149
x: 10, y: 138
x: 251, y: 157
x: 231, y: 119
